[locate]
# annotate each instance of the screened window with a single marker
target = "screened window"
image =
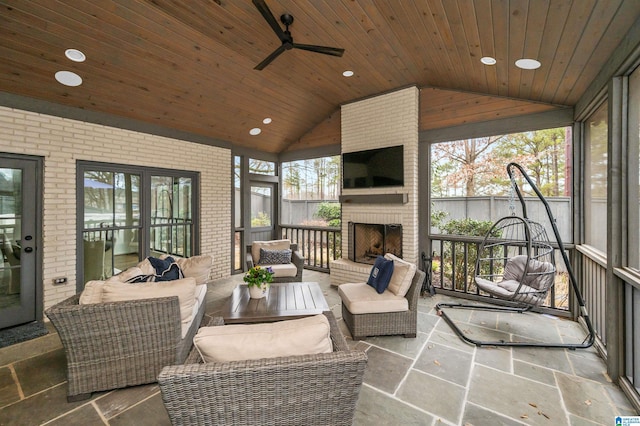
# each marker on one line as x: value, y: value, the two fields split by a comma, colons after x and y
x: 131, y: 213
x: 261, y: 206
x: 634, y: 169
x: 261, y: 167
x: 595, y: 178
x: 470, y: 188
x: 237, y: 213
x: 310, y: 192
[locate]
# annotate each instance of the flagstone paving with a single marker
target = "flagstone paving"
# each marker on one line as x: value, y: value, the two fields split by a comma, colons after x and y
x: 434, y: 379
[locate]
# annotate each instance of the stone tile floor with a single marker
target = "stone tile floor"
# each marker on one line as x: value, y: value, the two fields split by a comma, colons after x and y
x: 434, y: 379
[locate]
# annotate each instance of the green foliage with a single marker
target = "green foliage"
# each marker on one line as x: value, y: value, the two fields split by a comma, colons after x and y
x: 437, y: 218
x: 261, y: 220
x: 331, y: 212
x: 467, y: 226
x: 454, y: 259
x: 258, y: 275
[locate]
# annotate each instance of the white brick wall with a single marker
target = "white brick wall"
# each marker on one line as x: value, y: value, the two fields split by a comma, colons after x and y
x: 386, y: 120
x: 62, y: 142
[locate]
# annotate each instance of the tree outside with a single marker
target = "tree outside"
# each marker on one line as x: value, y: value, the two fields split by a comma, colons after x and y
x: 473, y: 168
x: 310, y: 190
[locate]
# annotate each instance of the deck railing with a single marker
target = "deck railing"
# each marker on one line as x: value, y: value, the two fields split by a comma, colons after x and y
x: 453, y: 271
x: 319, y: 244
x: 594, y: 278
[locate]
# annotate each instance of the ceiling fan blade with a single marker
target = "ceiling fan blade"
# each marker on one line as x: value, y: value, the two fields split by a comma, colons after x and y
x: 270, y: 58
x: 333, y: 51
x: 271, y: 20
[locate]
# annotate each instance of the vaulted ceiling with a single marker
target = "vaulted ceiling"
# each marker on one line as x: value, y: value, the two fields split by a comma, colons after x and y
x: 189, y: 65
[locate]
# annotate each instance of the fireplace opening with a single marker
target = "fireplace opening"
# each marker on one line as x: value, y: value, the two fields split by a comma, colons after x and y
x: 367, y: 241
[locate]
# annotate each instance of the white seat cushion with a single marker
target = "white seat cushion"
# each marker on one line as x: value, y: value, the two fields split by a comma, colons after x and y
x: 283, y: 270
x: 310, y: 335
x: 506, y: 289
x: 360, y: 298
x: 403, y: 273
x: 201, y: 293
x: 114, y: 291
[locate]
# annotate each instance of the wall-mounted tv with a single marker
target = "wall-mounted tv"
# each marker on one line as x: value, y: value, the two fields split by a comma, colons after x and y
x: 373, y: 168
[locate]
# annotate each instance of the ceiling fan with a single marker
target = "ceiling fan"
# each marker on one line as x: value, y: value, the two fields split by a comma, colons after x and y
x: 285, y: 36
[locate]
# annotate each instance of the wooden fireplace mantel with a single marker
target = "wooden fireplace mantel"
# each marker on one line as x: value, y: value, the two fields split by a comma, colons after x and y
x: 402, y: 198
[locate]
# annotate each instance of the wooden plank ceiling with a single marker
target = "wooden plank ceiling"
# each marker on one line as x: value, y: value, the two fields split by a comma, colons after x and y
x: 188, y: 65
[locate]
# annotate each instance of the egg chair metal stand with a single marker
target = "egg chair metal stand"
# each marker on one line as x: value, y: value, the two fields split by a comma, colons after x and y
x: 515, y: 266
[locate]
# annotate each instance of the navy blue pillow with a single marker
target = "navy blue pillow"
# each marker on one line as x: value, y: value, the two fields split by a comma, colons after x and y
x: 166, y: 269
x: 381, y: 274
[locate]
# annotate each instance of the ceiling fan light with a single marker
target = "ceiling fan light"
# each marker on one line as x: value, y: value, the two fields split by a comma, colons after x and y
x: 488, y: 60
x: 75, y: 55
x: 68, y: 78
x: 528, y: 64
x: 255, y: 131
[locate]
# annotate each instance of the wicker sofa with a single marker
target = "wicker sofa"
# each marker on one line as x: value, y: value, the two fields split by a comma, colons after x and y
x: 115, y: 344
x: 320, y: 389
x: 282, y: 274
x: 387, y: 323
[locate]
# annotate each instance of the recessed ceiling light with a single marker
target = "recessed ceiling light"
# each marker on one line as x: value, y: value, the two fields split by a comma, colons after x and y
x: 528, y: 64
x: 255, y: 131
x: 267, y: 120
x: 488, y: 60
x: 347, y: 73
x: 68, y: 78
x: 75, y: 55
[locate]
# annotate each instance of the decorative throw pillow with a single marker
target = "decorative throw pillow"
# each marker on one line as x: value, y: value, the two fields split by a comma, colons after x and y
x: 92, y: 292
x: 381, y: 274
x: 274, y: 257
x: 403, y: 273
x: 141, y: 279
x: 129, y: 273
x: 198, y: 267
x: 268, y: 245
x: 166, y: 269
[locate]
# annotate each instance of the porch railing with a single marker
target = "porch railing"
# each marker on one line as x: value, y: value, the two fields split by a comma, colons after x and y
x: 594, y: 278
x: 319, y: 244
x: 453, y: 271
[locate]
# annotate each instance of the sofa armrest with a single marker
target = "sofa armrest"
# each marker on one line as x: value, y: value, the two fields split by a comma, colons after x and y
x: 298, y: 260
x: 116, y: 344
x: 414, y: 291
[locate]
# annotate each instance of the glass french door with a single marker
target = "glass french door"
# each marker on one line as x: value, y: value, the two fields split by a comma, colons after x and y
x: 18, y: 241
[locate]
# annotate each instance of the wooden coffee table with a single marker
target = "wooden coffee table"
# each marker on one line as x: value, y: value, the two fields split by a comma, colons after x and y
x: 284, y: 301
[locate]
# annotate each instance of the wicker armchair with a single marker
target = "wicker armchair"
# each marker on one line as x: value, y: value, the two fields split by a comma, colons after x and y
x: 317, y: 389
x: 118, y: 344
x: 296, y: 258
x: 387, y: 323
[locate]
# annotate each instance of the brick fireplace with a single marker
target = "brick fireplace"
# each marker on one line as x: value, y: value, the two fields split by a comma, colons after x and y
x: 367, y: 241
x: 382, y: 121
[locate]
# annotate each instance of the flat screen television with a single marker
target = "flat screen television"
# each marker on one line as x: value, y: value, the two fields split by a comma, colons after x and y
x: 373, y: 168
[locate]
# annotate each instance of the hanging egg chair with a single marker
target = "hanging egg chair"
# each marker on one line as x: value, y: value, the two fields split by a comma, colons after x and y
x: 516, y: 262
x: 516, y: 269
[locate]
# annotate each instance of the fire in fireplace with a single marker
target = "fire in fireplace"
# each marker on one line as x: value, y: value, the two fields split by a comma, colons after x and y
x: 367, y: 241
